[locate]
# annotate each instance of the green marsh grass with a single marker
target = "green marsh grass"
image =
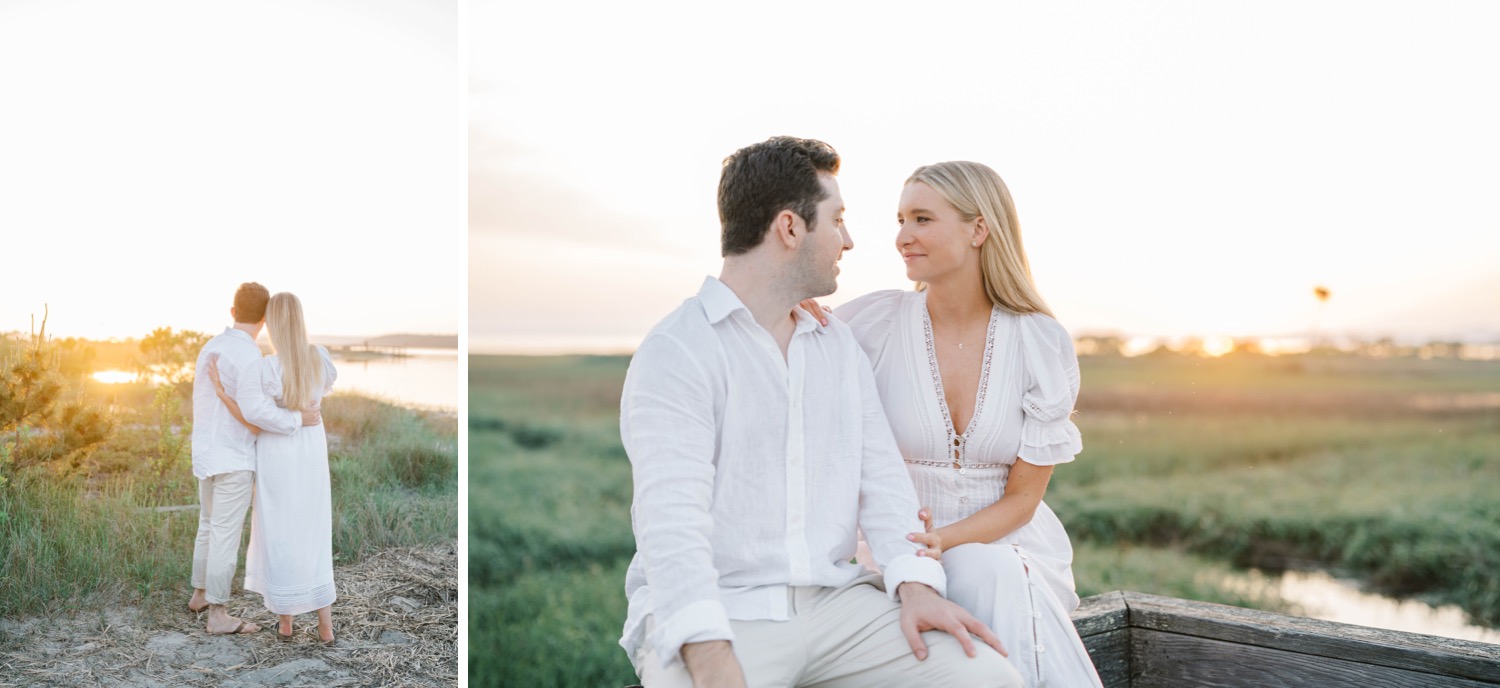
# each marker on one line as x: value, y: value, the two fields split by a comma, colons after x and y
x: 1192, y: 468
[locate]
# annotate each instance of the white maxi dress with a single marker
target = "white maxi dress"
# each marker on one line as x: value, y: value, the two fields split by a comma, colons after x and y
x: 1021, y: 585
x: 290, y: 559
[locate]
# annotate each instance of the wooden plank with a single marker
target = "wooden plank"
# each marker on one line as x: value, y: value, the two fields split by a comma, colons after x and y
x: 1315, y: 638
x: 1103, y: 622
x: 1170, y: 660
x: 1110, y: 653
x: 1101, y: 614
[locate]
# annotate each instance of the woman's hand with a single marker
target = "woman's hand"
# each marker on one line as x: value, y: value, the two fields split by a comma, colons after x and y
x: 212, y: 368
x: 930, y: 539
x: 819, y: 312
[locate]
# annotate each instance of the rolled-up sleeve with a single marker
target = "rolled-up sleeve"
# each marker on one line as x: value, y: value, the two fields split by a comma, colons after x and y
x: 258, y: 408
x: 887, y: 502
x: 667, y: 425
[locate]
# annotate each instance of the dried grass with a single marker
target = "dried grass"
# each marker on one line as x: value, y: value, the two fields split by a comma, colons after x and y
x: 396, y: 619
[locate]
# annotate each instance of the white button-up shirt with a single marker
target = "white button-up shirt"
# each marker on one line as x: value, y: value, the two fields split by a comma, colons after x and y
x: 222, y: 444
x: 752, y: 472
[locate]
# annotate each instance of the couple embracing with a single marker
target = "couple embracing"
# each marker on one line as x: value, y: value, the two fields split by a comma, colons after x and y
x: 258, y: 437
x: 765, y: 438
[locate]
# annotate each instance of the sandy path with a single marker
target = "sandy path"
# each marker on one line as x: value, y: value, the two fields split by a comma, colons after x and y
x: 396, y: 619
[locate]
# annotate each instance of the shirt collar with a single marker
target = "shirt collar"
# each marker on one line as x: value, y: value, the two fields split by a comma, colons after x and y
x: 719, y: 302
x: 235, y: 331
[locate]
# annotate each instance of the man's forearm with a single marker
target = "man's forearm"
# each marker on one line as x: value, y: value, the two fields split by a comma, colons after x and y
x: 913, y: 588
x: 712, y: 664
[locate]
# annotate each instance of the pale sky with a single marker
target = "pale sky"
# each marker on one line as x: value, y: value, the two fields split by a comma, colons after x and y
x: 1180, y: 168
x: 156, y: 153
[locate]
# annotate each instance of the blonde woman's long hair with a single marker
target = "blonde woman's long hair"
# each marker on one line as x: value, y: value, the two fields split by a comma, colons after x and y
x: 977, y: 191
x: 301, y: 366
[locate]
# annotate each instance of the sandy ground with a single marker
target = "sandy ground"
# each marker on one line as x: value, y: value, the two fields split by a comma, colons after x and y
x: 396, y: 620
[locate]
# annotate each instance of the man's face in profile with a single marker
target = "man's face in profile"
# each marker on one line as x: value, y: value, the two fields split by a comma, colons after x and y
x: 825, y: 243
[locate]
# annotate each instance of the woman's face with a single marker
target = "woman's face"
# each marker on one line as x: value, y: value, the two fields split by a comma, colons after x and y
x: 934, y: 239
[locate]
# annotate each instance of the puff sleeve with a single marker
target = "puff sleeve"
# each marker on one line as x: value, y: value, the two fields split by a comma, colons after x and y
x: 330, y: 373
x: 1048, y: 435
x: 872, y: 318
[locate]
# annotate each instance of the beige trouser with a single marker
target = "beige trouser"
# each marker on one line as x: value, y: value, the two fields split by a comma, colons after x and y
x: 849, y: 637
x: 224, y: 498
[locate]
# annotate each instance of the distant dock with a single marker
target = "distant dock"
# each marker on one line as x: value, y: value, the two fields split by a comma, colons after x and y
x: 364, y: 350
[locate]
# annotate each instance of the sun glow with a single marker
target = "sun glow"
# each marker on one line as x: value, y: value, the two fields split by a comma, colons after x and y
x: 114, y: 377
x: 1217, y: 345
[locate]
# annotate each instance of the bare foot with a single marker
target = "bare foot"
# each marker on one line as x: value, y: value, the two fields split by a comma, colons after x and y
x: 199, y: 601
x: 284, y: 626
x: 325, y: 625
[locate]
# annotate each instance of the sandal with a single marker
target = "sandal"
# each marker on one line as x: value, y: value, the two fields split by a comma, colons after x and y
x: 238, y: 630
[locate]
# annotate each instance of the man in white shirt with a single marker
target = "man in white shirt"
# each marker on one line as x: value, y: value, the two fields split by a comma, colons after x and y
x: 758, y: 444
x: 224, y: 457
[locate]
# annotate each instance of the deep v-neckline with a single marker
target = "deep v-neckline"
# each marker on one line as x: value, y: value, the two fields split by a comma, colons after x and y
x: 957, y: 443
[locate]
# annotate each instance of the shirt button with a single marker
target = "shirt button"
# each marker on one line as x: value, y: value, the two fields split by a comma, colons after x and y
x: 963, y: 500
x: 1036, y: 615
x: 1040, y: 649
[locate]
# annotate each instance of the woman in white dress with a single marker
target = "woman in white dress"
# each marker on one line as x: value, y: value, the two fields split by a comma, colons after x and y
x: 290, y: 559
x: 978, y: 382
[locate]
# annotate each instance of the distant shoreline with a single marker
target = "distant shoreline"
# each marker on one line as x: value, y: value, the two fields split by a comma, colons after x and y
x: 389, y: 341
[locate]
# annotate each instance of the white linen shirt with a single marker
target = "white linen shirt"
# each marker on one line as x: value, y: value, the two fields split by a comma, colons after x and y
x: 222, y: 444
x: 752, y: 472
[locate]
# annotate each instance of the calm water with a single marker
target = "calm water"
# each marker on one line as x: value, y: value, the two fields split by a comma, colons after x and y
x: 427, y: 378
x: 1321, y: 596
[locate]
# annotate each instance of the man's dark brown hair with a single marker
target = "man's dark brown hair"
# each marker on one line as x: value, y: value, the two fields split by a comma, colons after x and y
x: 763, y: 179
x: 250, y: 303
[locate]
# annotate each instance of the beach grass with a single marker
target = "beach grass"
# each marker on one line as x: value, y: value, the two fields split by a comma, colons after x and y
x: 117, y: 532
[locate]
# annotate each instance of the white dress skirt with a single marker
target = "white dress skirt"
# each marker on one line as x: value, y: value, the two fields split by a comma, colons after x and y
x: 1021, y: 585
x: 290, y: 559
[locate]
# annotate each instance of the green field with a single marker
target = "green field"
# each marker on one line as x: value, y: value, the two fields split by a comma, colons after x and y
x: 106, y: 531
x: 1383, y: 469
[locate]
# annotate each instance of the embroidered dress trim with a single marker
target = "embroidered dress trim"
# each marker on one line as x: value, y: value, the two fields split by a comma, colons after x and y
x: 949, y: 464
x: 958, y: 443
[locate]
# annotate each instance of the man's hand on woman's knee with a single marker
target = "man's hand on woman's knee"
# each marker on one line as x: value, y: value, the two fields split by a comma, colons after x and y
x: 922, y: 609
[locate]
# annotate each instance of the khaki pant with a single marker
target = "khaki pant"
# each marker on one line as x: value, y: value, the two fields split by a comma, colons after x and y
x: 846, y: 637
x: 224, y: 498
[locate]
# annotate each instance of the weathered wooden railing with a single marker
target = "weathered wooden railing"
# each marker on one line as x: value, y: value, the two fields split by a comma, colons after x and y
x: 1146, y: 641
